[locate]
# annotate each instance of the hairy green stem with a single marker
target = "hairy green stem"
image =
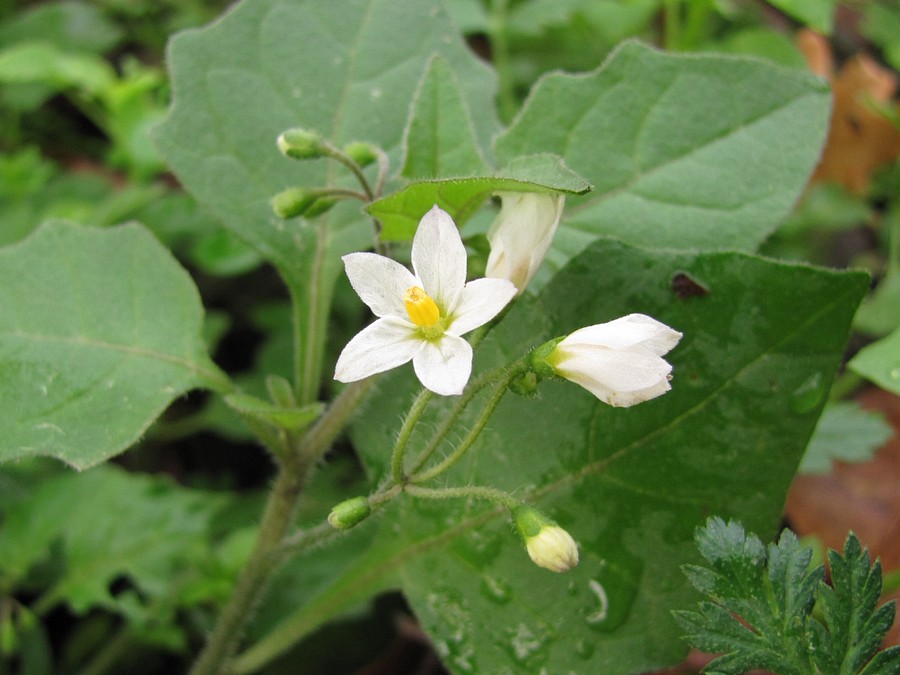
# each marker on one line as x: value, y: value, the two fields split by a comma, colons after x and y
x: 412, y: 418
x: 355, y: 169
x: 463, y: 492
x: 276, y: 521
x: 511, y: 373
x: 472, y: 389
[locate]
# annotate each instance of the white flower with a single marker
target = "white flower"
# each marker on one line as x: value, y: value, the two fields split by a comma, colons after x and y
x: 521, y: 234
x: 620, y: 361
x: 422, y: 314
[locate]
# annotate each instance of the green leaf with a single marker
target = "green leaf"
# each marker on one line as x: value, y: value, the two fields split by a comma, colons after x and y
x: 758, y: 617
x: 99, y: 331
x: 750, y: 377
x: 349, y: 75
x: 669, y: 142
x: 761, y: 614
x: 881, y: 24
x: 43, y: 62
x: 92, y: 528
x: 880, y: 313
x: 853, y: 628
x: 817, y: 14
x: 847, y: 433
x: 439, y: 139
x: 880, y: 362
x: 282, y: 417
x: 400, y: 212
x: 72, y: 26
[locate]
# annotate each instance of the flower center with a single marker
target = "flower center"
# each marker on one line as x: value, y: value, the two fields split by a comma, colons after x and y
x: 422, y: 310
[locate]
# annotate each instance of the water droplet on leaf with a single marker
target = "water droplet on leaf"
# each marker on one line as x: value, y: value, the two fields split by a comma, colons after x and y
x: 808, y: 395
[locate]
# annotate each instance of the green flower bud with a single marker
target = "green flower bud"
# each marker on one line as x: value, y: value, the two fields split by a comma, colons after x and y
x: 548, y: 545
x: 361, y: 153
x: 349, y: 513
x: 319, y: 206
x: 292, y: 202
x: 301, y: 143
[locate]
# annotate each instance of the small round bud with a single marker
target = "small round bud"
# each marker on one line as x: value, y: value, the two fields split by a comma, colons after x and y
x: 525, y: 384
x: 548, y: 545
x: 292, y: 202
x: 301, y: 143
x: 349, y: 513
x: 361, y: 153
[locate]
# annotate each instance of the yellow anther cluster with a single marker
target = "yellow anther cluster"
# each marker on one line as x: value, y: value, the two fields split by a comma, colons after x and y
x: 422, y: 310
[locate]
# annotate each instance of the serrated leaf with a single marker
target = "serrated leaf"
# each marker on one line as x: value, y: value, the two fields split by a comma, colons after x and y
x: 99, y: 331
x: 400, y: 212
x: 880, y: 362
x: 439, y: 139
x: 762, y: 596
x: 886, y: 662
x: 668, y: 142
x: 847, y: 433
x: 853, y: 627
x: 751, y: 374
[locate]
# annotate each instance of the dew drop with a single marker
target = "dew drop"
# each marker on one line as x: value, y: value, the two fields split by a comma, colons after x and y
x: 895, y: 374
x: 525, y: 643
x: 495, y: 590
x: 808, y: 395
x: 602, y: 612
x: 584, y: 648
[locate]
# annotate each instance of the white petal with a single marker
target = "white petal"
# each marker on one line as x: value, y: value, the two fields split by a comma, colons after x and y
x: 480, y: 301
x: 627, y: 332
x: 617, y: 377
x: 444, y: 365
x: 379, y: 282
x: 439, y: 257
x: 383, y: 345
x: 521, y: 234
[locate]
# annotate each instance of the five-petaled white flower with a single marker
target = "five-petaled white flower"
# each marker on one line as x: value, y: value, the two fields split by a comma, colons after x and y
x: 521, y: 234
x: 620, y: 361
x: 423, y: 313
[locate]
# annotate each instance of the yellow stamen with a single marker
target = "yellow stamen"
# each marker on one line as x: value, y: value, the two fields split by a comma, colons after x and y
x: 421, y: 308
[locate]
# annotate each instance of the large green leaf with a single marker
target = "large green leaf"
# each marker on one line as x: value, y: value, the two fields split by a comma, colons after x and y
x: 684, y: 151
x: 761, y: 343
x: 99, y: 331
x: 274, y: 64
x: 440, y: 138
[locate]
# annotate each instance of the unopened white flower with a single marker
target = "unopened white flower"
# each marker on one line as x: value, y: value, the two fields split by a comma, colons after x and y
x: 422, y: 313
x: 553, y: 549
x: 521, y: 234
x: 548, y: 545
x: 620, y: 362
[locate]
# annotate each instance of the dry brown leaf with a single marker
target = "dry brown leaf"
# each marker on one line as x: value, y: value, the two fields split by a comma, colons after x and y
x: 864, y: 498
x: 860, y: 139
